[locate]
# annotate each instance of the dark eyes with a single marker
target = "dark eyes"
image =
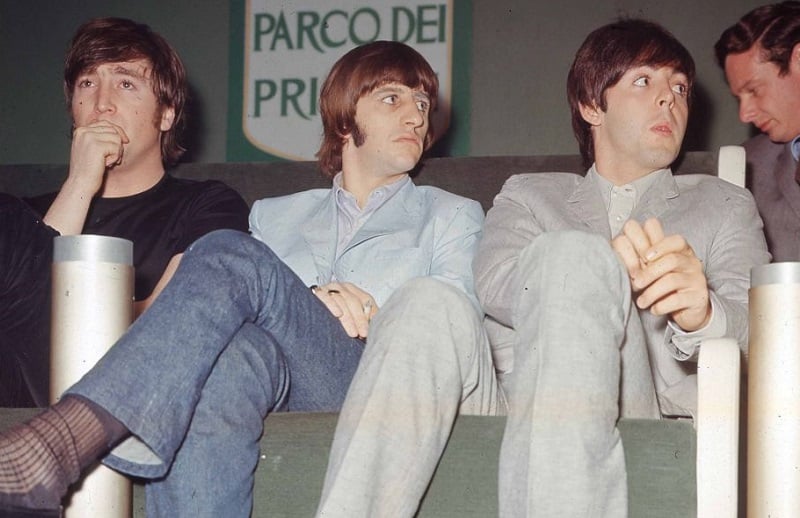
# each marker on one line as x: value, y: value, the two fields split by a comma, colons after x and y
x: 422, y: 105
x: 679, y: 88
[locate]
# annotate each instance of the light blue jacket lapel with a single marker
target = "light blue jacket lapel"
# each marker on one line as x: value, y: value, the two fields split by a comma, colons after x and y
x: 400, y: 215
x: 320, y: 233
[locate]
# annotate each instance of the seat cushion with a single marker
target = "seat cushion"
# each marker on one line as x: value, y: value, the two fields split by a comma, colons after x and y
x: 660, y: 459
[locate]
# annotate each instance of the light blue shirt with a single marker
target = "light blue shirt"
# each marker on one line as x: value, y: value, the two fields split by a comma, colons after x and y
x: 350, y: 217
x: 795, y: 146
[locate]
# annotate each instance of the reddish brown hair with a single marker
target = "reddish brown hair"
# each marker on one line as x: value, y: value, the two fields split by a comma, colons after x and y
x: 358, y: 73
x: 108, y: 40
x: 605, y: 56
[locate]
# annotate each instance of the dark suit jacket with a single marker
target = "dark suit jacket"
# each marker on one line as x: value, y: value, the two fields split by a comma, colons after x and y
x: 771, y: 178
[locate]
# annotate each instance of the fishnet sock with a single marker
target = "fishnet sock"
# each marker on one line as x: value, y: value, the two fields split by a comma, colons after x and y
x: 39, y: 459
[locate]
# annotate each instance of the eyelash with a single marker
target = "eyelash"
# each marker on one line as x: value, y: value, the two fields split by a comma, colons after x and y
x: 422, y: 106
x: 684, y: 88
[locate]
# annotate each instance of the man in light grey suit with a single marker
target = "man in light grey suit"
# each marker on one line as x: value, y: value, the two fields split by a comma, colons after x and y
x: 761, y: 58
x: 599, y: 288
x: 237, y: 332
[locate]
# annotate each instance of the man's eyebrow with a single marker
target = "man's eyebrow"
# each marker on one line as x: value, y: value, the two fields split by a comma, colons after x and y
x: 386, y: 89
x: 422, y: 95
x: 128, y: 71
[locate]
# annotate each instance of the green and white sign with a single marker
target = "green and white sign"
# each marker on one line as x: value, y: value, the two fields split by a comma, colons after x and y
x: 281, y: 51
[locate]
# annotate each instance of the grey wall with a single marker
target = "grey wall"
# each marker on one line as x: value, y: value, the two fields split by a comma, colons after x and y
x: 521, y: 52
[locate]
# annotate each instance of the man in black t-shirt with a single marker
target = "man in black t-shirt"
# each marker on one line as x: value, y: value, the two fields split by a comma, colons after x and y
x: 125, y: 88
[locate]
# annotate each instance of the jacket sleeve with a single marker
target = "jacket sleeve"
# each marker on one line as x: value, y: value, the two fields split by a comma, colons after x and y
x: 510, y: 227
x: 737, y: 246
x: 456, y: 245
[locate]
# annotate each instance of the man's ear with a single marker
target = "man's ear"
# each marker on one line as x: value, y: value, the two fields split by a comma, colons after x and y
x: 794, y: 60
x: 167, y: 118
x: 593, y: 115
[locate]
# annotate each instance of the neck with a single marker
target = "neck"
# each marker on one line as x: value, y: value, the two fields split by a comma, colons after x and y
x: 361, y: 187
x: 621, y: 175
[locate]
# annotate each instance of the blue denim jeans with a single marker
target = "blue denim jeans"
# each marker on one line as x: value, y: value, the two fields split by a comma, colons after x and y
x: 234, y: 335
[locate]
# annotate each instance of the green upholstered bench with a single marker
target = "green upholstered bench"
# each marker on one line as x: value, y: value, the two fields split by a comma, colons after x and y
x: 660, y: 457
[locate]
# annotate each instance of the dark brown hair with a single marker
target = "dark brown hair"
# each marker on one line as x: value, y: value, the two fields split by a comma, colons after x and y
x: 357, y: 73
x: 605, y: 56
x: 108, y: 40
x: 775, y: 28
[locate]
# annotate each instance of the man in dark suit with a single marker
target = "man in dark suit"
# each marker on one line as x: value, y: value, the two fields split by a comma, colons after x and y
x: 761, y: 58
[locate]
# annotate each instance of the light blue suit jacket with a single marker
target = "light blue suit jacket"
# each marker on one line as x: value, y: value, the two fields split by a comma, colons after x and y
x: 420, y: 231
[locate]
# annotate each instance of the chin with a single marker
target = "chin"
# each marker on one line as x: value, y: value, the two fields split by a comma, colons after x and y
x: 663, y: 159
x: 406, y: 164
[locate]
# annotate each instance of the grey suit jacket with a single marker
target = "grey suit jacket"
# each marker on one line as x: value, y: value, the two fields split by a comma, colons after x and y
x: 718, y: 220
x: 771, y: 178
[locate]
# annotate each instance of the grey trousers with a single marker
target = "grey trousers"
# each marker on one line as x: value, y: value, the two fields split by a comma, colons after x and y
x: 580, y: 363
x: 427, y: 359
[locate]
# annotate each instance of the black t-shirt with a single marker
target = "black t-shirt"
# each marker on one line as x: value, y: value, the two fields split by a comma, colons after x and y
x: 162, y: 221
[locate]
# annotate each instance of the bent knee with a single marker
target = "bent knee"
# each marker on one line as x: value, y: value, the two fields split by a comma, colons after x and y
x: 432, y: 293
x: 571, y: 250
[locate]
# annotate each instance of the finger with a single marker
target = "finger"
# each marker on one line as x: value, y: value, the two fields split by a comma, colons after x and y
x: 108, y: 126
x: 121, y: 132
x: 655, y: 233
x: 627, y: 254
x: 658, y: 290
x: 674, y: 244
x: 656, y: 269
x: 100, y: 140
x: 680, y: 302
x: 690, y: 309
x: 349, y: 312
x: 114, y: 156
x: 352, y: 299
x: 689, y: 286
x: 682, y: 263
x: 637, y: 236
x: 346, y: 317
x: 370, y: 307
x: 323, y: 296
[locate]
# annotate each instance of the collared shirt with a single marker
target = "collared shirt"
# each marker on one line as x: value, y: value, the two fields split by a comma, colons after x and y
x: 620, y: 202
x: 350, y: 217
x: 795, y: 147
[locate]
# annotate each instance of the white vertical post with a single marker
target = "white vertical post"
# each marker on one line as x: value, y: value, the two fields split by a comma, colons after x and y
x: 92, y: 308
x: 773, y: 417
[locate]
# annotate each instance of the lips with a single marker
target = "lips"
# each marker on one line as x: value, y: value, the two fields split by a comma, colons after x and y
x: 663, y: 128
x: 409, y: 138
x: 764, y: 126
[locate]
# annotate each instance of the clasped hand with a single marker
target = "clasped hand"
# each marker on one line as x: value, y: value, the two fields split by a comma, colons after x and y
x: 666, y: 275
x: 95, y: 148
x: 353, y: 306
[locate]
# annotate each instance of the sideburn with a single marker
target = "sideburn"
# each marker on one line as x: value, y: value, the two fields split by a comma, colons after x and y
x: 359, y: 136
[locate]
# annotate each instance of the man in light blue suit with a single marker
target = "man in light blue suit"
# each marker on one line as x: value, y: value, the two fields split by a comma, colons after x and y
x: 600, y: 288
x: 238, y: 333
